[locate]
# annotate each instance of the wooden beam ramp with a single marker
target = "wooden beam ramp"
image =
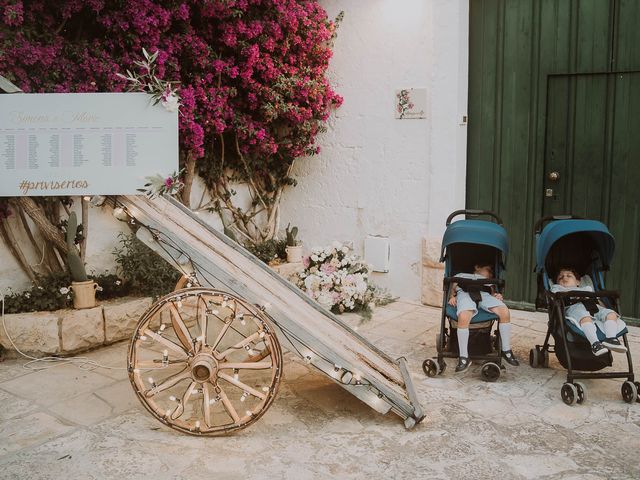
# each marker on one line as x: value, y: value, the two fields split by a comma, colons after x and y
x: 302, y: 326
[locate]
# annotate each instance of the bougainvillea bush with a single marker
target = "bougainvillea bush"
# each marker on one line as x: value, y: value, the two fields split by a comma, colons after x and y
x: 251, y: 76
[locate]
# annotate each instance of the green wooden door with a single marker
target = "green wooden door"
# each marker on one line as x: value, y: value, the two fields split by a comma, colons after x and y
x: 554, y: 87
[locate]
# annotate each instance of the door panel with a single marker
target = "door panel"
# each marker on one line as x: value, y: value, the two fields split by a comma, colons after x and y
x: 591, y: 144
x: 543, y: 98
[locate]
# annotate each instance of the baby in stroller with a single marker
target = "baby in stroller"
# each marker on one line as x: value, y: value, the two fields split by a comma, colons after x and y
x: 474, y: 252
x: 583, y: 314
x: 466, y: 308
x: 572, y: 256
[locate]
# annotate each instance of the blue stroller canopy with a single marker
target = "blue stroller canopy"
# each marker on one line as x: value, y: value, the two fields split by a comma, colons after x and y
x: 480, y: 232
x: 598, y: 232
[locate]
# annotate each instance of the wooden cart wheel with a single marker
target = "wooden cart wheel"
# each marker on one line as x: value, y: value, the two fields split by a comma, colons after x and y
x: 205, y: 362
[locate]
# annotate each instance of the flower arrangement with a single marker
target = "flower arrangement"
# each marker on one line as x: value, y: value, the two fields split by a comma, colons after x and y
x: 337, y: 280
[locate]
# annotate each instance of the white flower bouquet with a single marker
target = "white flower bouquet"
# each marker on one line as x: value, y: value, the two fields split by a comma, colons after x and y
x: 337, y: 280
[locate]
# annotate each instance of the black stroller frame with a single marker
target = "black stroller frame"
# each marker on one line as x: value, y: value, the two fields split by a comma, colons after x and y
x: 573, y: 391
x: 492, y: 366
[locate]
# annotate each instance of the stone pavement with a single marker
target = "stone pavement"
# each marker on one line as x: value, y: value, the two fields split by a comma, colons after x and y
x: 65, y: 422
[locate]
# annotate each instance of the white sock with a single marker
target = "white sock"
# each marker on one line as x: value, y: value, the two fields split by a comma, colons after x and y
x: 505, y: 335
x: 463, y: 341
x: 589, y: 330
x: 610, y: 328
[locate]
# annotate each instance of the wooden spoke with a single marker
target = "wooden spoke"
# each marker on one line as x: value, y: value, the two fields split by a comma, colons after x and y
x: 260, y: 356
x: 248, y: 365
x: 181, y: 330
x: 222, y: 333
x: 203, y: 318
x: 239, y: 345
x: 243, y: 386
x: 217, y: 412
x: 168, y: 383
x: 167, y: 343
x: 206, y: 406
x: 229, y: 406
x: 179, y: 410
x: 158, y: 365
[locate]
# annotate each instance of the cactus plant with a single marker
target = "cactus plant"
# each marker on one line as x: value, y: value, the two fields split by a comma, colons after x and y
x: 74, y: 262
x: 291, y: 236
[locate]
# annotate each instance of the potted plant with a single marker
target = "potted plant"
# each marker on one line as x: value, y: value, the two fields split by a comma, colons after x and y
x: 294, y: 247
x: 84, y: 290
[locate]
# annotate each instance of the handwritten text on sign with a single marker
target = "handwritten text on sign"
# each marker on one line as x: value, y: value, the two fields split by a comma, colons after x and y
x: 83, y: 143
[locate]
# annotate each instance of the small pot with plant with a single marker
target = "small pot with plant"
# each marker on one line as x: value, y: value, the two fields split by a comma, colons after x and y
x: 84, y: 290
x: 294, y: 247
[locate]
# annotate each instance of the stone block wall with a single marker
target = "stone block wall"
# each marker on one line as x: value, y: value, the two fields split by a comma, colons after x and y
x: 66, y: 332
x: 432, y: 272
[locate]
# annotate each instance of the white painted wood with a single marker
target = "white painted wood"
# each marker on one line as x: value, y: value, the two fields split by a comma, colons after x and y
x: 302, y: 326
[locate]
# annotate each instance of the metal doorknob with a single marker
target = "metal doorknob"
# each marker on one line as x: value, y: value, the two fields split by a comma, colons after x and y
x: 553, y: 176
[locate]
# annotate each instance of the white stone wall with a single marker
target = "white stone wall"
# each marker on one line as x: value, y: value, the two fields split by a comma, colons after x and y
x: 377, y: 175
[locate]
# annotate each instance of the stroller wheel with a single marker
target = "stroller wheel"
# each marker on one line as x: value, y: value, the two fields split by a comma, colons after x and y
x: 430, y: 367
x: 490, y: 372
x: 569, y: 393
x: 629, y: 392
x: 582, y: 392
x: 442, y: 366
x: 638, y: 389
x: 534, y: 358
x: 545, y: 359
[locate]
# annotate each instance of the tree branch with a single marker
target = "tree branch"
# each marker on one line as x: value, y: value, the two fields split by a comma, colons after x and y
x: 10, y: 240
x: 48, y: 230
x: 85, y: 228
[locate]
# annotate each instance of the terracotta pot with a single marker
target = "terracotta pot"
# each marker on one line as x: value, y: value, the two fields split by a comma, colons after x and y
x: 84, y: 294
x: 294, y: 254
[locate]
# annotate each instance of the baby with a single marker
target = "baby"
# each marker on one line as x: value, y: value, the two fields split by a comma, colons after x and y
x: 466, y: 308
x: 606, y: 319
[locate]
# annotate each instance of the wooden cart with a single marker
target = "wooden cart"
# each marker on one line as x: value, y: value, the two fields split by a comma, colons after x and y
x: 207, y: 359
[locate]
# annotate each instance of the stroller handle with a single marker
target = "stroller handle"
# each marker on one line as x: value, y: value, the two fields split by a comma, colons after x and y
x: 540, y: 223
x: 473, y: 213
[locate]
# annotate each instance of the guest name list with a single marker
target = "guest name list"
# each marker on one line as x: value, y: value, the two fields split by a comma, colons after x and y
x: 108, y: 142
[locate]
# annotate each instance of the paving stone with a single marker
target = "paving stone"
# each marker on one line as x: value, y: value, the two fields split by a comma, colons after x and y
x: 13, y: 406
x: 55, y: 384
x: 113, y: 359
x: 33, y: 429
x: 120, y: 397
x: 535, y: 466
x: 517, y: 427
x: 87, y: 409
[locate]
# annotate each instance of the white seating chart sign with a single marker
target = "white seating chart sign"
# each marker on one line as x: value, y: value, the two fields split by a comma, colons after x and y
x: 84, y: 143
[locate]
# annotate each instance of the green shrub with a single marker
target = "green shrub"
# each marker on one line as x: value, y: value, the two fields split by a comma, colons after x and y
x: 145, y: 272
x: 51, y: 293
x: 110, y: 286
x: 270, y: 250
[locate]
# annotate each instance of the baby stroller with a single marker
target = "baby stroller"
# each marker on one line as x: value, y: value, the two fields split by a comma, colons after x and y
x: 467, y: 243
x: 587, y: 246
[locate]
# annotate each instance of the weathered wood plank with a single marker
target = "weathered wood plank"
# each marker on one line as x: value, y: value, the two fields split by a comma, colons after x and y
x: 302, y: 326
